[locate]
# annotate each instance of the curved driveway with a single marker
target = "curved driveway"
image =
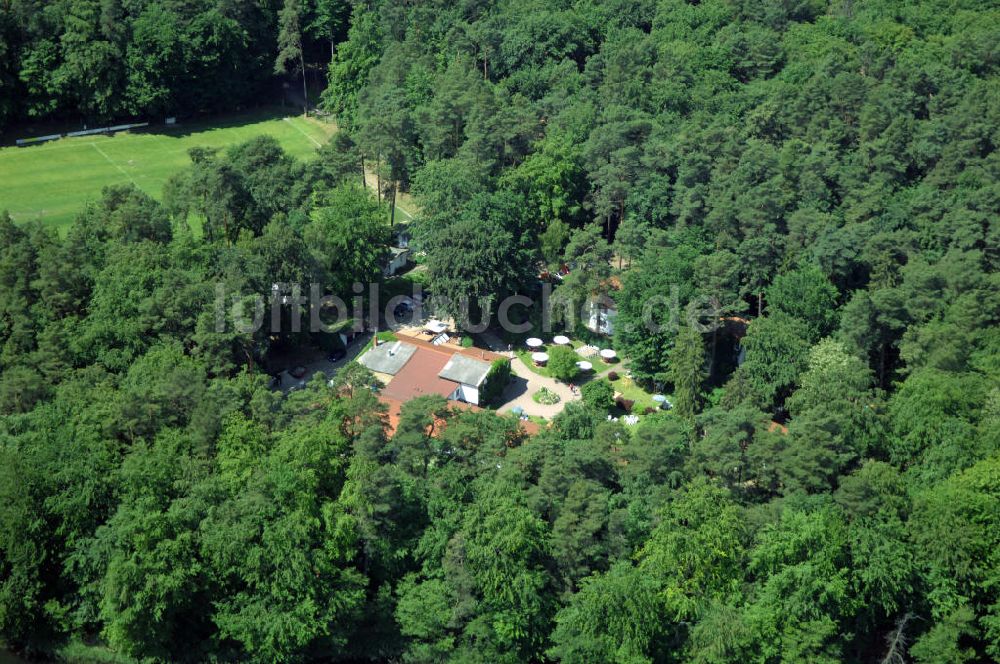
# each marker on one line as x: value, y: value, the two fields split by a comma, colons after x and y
x: 524, y: 382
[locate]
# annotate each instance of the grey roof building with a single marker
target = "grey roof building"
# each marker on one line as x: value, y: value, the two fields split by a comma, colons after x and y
x: 465, y: 370
x: 388, y: 358
x: 418, y: 367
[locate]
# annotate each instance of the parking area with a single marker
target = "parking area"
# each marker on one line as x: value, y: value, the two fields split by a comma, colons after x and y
x: 304, y: 363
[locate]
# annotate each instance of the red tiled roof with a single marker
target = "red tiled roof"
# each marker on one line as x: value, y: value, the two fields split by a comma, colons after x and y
x: 395, y: 406
x: 452, y: 349
x: 419, y: 376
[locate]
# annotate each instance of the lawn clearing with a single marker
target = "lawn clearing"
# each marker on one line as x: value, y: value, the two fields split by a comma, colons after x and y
x: 406, y: 208
x: 633, y: 392
x: 525, y: 357
x: 53, y: 181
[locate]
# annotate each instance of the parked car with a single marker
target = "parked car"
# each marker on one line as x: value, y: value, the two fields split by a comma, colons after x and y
x: 298, y: 372
x: 337, y: 354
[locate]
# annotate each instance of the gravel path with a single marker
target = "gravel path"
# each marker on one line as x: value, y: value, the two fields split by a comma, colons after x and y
x: 525, y: 383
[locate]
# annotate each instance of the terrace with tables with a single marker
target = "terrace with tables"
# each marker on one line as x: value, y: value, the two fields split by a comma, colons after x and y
x: 531, y: 366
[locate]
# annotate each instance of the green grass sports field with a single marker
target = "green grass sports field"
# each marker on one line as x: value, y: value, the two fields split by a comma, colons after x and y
x: 54, y: 180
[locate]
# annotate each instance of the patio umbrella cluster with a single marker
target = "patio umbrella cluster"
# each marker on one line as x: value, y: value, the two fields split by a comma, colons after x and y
x: 540, y: 357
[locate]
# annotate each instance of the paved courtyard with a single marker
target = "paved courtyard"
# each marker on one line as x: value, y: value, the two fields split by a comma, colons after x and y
x: 524, y: 382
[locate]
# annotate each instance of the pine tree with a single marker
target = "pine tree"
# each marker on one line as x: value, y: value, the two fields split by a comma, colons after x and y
x: 687, y: 370
x: 290, y: 55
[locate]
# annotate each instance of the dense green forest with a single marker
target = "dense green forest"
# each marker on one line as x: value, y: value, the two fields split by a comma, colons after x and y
x: 825, y: 174
x: 97, y: 60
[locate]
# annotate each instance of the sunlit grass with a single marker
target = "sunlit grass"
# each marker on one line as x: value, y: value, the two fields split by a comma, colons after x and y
x: 53, y: 181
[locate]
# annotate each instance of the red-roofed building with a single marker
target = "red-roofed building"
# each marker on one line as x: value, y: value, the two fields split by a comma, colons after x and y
x: 419, y: 376
x: 412, y: 367
x: 395, y: 407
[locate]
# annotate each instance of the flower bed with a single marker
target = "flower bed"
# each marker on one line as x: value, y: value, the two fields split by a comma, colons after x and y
x: 545, y: 396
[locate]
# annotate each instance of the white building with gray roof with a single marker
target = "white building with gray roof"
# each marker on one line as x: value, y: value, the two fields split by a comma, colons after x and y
x: 409, y: 370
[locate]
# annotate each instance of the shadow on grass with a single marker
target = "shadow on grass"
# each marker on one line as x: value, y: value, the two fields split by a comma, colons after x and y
x: 195, y: 124
x: 202, y: 123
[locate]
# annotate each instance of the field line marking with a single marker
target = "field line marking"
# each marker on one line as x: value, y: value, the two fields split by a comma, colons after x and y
x: 71, y: 142
x: 46, y: 147
x: 302, y: 131
x: 123, y: 171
